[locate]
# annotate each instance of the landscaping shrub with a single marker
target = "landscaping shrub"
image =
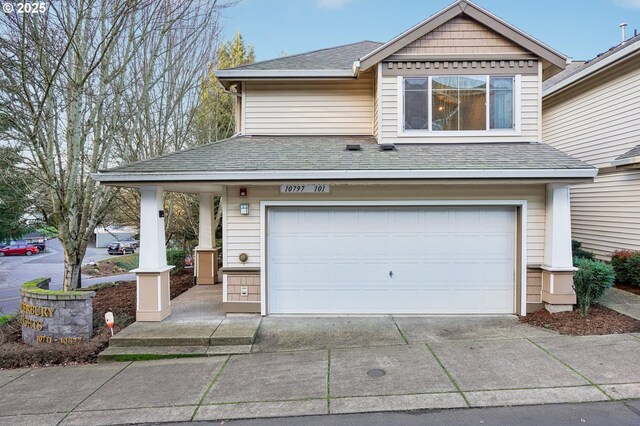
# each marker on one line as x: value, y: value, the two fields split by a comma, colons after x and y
x: 176, y: 257
x: 580, y: 253
x: 633, y: 268
x: 621, y: 260
x: 590, y: 281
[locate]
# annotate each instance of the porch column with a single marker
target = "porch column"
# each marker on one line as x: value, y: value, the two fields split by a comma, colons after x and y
x: 557, y: 269
x: 206, y: 254
x: 152, y: 291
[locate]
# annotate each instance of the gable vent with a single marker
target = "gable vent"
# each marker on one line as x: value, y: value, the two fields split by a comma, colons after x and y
x: 387, y: 147
x: 354, y: 147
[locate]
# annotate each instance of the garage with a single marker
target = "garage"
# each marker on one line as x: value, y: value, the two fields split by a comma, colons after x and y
x: 391, y: 260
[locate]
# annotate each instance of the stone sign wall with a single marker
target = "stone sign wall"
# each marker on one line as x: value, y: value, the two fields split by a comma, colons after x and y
x: 61, y: 317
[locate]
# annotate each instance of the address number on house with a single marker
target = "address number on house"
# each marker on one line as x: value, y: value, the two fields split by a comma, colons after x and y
x: 300, y: 188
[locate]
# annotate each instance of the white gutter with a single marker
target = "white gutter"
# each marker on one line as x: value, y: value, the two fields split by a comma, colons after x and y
x: 241, y: 74
x: 626, y: 161
x: 347, y: 174
x: 592, y: 69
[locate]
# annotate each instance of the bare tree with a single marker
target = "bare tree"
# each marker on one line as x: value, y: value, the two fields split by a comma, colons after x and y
x: 81, y: 86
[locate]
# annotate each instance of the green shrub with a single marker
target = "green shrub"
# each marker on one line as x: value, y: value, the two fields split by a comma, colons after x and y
x: 590, y: 281
x: 580, y: 253
x: 626, y: 264
x: 633, y: 268
x: 176, y: 257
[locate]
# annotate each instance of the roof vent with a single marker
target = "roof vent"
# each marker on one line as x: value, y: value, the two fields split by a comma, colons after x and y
x: 387, y: 147
x: 354, y: 147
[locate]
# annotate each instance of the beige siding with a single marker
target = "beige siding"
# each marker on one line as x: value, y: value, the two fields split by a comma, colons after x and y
x: 461, y: 36
x: 534, y: 286
x: 529, y: 115
x: 605, y: 214
x: 243, y: 232
x: 341, y: 107
x: 598, y: 121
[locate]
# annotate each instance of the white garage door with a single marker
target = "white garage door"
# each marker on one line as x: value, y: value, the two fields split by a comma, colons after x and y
x: 446, y: 260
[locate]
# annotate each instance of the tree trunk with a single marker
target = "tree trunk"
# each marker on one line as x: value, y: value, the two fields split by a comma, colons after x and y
x: 72, y: 272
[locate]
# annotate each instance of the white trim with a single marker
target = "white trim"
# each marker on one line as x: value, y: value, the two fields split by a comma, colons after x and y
x: 348, y: 174
x: 517, y: 106
x: 159, y: 292
x: 400, y: 105
x: 540, y: 71
x: 522, y: 204
x: 243, y: 118
x: 137, y: 293
x: 626, y: 161
x: 263, y: 255
x: 224, y: 287
x: 152, y: 270
x: 223, y: 206
x: 237, y: 74
x: 439, y: 134
x: 379, y: 96
x: 594, y: 69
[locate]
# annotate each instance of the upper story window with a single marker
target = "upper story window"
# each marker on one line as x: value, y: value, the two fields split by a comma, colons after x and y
x: 459, y: 103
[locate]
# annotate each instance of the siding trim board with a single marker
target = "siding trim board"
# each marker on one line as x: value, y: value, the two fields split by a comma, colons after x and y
x: 485, y: 67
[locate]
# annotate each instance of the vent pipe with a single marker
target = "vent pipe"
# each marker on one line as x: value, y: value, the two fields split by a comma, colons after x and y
x: 623, y: 28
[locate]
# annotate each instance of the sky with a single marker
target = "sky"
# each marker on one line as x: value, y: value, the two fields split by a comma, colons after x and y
x: 580, y: 29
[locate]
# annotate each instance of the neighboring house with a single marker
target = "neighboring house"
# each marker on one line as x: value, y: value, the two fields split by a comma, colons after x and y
x: 379, y: 178
x: 592, y: 111
x: 109, y: 234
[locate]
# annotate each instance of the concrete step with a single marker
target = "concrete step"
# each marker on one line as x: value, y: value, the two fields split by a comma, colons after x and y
x: 138, y: 353
x: 236, y: 330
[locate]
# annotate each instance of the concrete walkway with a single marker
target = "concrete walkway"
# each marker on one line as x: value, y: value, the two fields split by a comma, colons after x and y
x: 446, y: 370
x: 622, y: 301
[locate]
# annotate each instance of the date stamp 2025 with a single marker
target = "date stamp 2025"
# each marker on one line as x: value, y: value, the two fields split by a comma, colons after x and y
x: 22, y: 8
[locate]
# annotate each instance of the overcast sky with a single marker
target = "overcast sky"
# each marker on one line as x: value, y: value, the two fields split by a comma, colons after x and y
x: 578, y: 28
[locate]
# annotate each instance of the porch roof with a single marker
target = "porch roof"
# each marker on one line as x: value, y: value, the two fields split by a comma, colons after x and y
x: 313, y: 157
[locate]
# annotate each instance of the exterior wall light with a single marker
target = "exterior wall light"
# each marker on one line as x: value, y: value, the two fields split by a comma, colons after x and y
x: 244, y: 209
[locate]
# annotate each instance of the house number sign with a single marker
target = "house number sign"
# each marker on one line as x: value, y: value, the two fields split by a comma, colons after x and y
x: 298, y: 188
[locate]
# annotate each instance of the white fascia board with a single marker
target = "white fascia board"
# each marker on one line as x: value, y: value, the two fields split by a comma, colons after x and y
x: 625, y: 161
x: 348, y: 174
x: 632, y: 48
x: 242, y: 74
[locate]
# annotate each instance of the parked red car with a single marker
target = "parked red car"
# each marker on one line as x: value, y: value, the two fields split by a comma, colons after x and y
x: 19, y: 249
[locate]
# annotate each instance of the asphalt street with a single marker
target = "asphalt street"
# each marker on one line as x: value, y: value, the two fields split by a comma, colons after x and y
x: 16, y: 270
x: 591, y: 413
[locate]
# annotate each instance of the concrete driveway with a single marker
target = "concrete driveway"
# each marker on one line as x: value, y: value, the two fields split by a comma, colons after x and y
x: 353, y: 365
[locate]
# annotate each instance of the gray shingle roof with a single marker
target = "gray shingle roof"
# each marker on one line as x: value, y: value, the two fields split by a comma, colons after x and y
x: 578, y: 66
x: 633, y: 152
x: 289, y: 153
x: 333, y: 58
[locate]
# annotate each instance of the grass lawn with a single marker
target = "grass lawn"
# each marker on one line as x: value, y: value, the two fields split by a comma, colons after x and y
x: 127, y: 261
x: 112, y: 266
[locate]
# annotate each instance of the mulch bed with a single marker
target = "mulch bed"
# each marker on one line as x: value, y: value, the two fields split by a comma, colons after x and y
x: 119, y: 299
x: 630, y: 288
x: 600, y: 320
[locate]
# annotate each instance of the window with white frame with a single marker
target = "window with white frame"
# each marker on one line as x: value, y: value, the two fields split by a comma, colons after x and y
x: 459, y: 103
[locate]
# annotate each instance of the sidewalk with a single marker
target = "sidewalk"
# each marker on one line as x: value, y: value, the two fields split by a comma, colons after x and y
x: 622, y: 301
x: 435, y: 375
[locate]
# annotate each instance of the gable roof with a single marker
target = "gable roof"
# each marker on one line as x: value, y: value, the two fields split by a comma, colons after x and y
x: 465, y: 7
x: 347, y: 60
x: 334, y: 61
x: 325, y: 157
x: 630, y: 157
x: 580, y: 70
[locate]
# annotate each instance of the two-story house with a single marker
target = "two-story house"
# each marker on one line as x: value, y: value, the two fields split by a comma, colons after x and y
x: 379, y: 178
x: 592, y: 111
